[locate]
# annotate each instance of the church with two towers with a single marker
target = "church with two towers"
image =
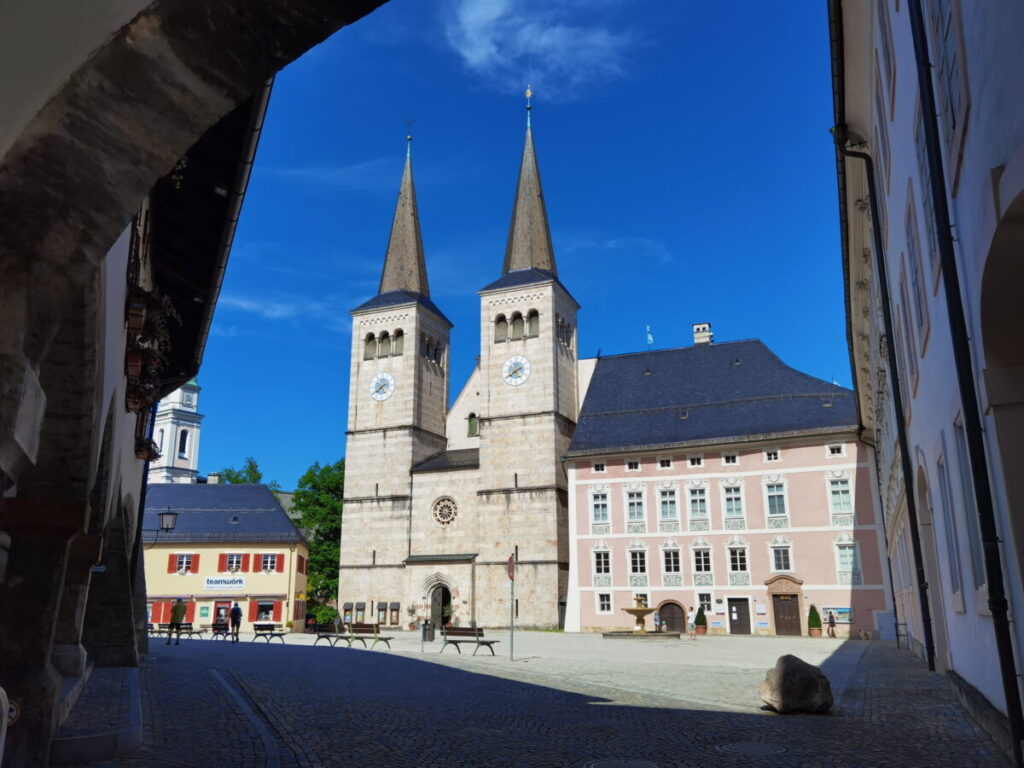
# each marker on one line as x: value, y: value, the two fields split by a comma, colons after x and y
x: 438, y: 498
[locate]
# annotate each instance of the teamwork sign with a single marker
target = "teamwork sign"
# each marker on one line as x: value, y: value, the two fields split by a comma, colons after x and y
x: 224, y: 583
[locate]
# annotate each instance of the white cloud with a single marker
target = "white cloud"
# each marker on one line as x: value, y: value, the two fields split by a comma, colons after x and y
x: 270, y: 310
x: 370, y: 175
x: 641, y: 248
x: 560, y: 47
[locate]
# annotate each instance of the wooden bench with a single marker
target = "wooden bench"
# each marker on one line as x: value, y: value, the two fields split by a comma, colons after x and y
x: 329, y: 632
x: 458, y: 635
x: 219, y: 629
x: 268, y: 632
x: 164, y: 630
x: 362, y: 632
x: 156, y: 630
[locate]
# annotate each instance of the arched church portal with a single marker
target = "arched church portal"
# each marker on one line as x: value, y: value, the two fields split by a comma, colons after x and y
x: 440, y: 605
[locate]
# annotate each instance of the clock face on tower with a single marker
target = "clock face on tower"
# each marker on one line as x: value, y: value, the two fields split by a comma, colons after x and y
x: 516, y: 370
x: 382, y: 386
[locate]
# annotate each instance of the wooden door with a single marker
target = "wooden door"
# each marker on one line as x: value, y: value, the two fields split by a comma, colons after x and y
x: 739, y: 616
x: 787, y: 614
x: 674, y: 617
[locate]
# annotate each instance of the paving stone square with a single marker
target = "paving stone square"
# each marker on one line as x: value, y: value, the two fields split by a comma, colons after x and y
x: 567, y: 700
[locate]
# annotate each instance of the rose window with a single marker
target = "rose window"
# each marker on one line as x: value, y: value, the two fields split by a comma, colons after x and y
x: 445, y: 511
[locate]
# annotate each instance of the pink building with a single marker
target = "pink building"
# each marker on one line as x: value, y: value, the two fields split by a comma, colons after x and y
x: 716, y: 475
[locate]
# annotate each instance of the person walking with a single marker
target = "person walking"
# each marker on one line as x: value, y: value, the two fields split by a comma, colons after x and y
x: 177, y: 616
x: 831, y: 624
x: 236, y: 621
x: 691, y: 623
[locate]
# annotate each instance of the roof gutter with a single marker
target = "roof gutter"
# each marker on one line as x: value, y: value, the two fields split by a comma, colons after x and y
x: 997, y: 602
x: 254, y: 131
x: 839, y: 134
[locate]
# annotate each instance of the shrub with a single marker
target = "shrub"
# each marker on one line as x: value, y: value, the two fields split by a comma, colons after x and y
x: 813, y: 618
x: 324, y: 614
x: 700, y: 619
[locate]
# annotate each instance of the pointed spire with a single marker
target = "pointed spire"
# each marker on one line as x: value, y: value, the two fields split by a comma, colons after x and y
x: 529, y: 240
x: 404, y: 266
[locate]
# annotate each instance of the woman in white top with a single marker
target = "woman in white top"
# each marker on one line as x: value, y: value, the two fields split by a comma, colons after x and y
x: 691, y: 623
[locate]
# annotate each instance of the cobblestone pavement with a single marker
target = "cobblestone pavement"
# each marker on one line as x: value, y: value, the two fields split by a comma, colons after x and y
x: 572, y: 700
x: 102, y: 705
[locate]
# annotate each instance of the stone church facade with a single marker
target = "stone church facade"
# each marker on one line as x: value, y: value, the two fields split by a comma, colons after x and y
x: 438, y: 499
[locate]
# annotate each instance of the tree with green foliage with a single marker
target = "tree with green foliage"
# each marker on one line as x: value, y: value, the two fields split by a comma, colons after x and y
x: 249, y: 473
x: 700, y: 620
x: 318, y: 499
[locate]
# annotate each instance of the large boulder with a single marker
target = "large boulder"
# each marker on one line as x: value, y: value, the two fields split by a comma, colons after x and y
x: 793, y: 685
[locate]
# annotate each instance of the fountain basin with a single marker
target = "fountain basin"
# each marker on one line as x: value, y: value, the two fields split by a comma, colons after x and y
x: 624, y: 635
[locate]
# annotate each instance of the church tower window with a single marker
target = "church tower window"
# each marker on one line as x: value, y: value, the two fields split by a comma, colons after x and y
x: 398, y: 343
x: 438, y: 353
x: 533, y: 324
x: 160, y: 442
x: 517, y: 326
x: 474, y: 425
x: 384, y: 350
x: 500, y: 329
x: 369, y: 347
x: 183, y: 444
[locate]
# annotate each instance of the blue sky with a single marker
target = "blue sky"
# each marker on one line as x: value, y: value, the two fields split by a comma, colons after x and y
x: 687, y: 167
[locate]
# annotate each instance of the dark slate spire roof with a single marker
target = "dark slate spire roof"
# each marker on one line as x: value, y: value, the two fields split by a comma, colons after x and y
x: 217, y: 512
x: 704, y: 394
x: 526, y: 277
x: 404, y: 266
x: 529, y: 239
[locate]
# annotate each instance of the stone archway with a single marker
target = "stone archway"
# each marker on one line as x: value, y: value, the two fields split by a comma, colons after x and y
x: 673, y: 615
x: 1003, y: 351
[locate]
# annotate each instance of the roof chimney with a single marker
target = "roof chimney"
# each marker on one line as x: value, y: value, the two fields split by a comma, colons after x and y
x: 702, y: 333
x: 213, y: 478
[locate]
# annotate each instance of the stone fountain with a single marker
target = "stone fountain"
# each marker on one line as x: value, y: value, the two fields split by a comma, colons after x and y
x: 640, y: 612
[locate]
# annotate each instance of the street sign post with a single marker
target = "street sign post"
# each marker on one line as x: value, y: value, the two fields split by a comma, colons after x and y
x: 511, y: 568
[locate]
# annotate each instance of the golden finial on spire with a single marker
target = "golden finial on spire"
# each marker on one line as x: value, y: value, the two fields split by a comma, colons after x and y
x: 529, y: 95
x: 408, y: 137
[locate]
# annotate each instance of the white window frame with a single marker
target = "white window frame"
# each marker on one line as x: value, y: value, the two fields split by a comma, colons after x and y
x: 785, y: 498
x: 263, y: 562
x: 646, y: 560
x: 597, y: 602
x: 629, y: 503
x: 949, y: 528
x: 691, y: 492
x: 693, y: 558
x: 733, y: 455
x: 599, y: 467
x: 711, y: 602
x: 238, y: 565
x: 695, y: 457
x: 725, y: 486
x: 633, y: 461
x: 593, y: 507
x: 661, y: 503
x: 831, y: 499
x: 661, y: 460
x: 183, y: 563
x: 830, y: 446
x: 780, y: 543
x: 766, y: 455
x: 260, y: 612
x: 671, y: 546
x: 841, y: 543
x: 745, y: 548
x: 608, y: 560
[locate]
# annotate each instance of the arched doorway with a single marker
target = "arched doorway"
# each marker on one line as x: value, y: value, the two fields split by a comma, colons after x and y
x: 1003, y: 351
x: 440, y: 605
x: 674, y: 617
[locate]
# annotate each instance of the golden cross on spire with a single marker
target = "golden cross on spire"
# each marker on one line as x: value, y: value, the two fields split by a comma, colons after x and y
x: 529, y: 95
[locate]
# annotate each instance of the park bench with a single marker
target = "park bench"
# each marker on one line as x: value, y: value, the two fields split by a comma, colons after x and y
x: 329, y: 632
x: 164, y: 630
x: 154, y: 630
x: 362, y: 632
x: 268, y: 632
x: 458, y: 635
x: 218, y: 629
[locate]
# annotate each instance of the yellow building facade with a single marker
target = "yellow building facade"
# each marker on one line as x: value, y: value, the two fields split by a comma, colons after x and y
x: 230, y: 543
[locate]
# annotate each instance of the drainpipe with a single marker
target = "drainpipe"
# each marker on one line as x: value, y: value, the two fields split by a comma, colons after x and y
x: 997, y: 602
x: 840, y: 136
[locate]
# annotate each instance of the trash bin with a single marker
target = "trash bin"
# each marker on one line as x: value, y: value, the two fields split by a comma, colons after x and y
x: 427, y: 628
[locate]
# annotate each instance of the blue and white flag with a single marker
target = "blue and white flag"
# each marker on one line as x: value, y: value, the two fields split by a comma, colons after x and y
x: 650, y: 336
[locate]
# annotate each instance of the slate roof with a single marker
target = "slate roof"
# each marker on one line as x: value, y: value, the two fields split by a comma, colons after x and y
x: 217, y: 512
x: 704, y: 394
x: 394, y: 298
x: 464, y: 458
x: 529, y: 237
x: 526, y: 277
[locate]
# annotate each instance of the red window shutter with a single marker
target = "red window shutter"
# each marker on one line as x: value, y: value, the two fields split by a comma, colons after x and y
x: 277, y: 609
x: 195, y: 564
x: 190, y: 610
x: 222, y: 562
x: 279, y: 566
x: 253, y: 608
x: 245, y: 563
x: 165, y: 612
x: 172, y: 562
